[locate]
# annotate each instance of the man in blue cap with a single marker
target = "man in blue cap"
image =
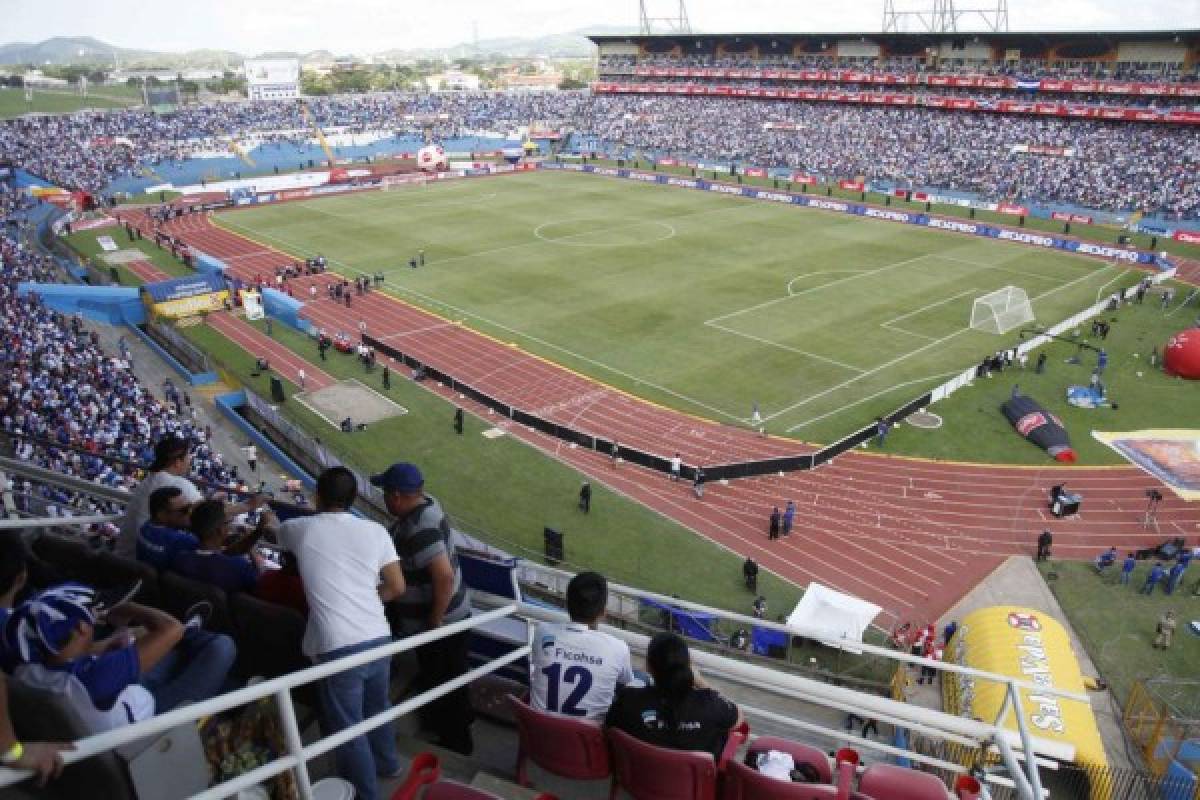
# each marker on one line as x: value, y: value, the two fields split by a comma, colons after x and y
x: 434, y: 596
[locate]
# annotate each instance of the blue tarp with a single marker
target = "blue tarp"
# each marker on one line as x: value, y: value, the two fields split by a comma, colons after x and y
x: 693, y: 624
x: 286, y: 309
x: 762, y: 640
x: 179, y: 288
x: 111, y: 305
x: 206, y: 263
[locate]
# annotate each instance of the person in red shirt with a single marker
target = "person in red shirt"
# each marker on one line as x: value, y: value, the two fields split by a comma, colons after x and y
x: 932, y: 651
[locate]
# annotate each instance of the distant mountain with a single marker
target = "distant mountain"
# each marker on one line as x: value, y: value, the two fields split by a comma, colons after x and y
x: 574, y: 44
x: 84, y: 50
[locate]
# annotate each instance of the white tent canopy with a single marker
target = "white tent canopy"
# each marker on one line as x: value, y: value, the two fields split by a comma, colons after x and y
x: 823, y: 613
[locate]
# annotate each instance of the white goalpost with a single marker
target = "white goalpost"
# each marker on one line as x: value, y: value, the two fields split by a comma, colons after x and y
x: 1001, y: 311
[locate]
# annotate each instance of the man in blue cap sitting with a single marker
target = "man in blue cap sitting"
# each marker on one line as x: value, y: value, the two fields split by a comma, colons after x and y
x: 434, y: 596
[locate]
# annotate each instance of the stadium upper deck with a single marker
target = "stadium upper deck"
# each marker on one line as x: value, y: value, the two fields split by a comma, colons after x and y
x: 1142, y: 76
x: 1135, y: 56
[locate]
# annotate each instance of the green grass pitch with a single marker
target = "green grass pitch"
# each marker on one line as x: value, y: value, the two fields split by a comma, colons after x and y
x: 707, y: 303
x: 14, y: 104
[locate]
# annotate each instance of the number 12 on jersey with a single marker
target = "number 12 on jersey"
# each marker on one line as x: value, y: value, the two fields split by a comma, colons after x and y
x: 578, y: 677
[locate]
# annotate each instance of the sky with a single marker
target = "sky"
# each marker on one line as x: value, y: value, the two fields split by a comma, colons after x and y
x: 368, y: 26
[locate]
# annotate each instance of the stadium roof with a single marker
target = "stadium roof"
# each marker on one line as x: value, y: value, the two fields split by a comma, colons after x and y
x: 1190, y: 35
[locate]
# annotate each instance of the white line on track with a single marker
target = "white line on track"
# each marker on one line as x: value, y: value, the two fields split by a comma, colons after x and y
x: 415, y: 331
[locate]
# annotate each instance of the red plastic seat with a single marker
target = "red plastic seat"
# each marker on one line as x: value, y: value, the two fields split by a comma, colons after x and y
x: 647, y: 772
x: 737, y: 737
x: 739, y: 782
x: 800, y: 753
x: 899, y: 783
x: 564, y: 746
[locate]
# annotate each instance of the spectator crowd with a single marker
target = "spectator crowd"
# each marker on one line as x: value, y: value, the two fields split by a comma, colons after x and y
x: 1117, y: 166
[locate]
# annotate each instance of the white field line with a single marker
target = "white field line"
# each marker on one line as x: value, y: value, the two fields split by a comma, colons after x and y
x: 934, y: 304
x: 536, y: 241
x: 1001, y: 268
x: 637, y: 380
x: 912, y: 353
x: 867, y: 374
x: 1102, y: 289
x: 788, y: 348
x: 356, y: 216
x: 868, y: 398
x: 786, y: 297
x: 822, y: 272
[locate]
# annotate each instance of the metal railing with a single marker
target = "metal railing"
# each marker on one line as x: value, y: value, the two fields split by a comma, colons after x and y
x: 298, y: 754
x: 193, y: 358
x: 1012, y: 748
x: 1021, y: 753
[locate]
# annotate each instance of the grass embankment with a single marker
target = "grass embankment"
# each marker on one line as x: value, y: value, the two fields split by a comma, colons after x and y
x: 149, y: 198
x: 506, y: 491
x: 87, y: 245
x: 1116, y: 624
x: 974, y: 429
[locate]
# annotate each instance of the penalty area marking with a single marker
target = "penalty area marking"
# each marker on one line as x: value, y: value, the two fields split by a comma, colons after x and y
x: 537, y: 232
x: 824, y: 272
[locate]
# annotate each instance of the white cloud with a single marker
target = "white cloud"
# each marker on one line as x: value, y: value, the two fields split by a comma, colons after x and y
x: 361, y: 26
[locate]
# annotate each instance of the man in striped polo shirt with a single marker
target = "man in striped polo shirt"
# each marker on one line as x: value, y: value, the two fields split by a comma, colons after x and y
x: 434, y: 596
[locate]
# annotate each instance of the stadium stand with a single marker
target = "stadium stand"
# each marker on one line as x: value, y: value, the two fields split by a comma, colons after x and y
x: 80, y: 427
x: 1114, y: 165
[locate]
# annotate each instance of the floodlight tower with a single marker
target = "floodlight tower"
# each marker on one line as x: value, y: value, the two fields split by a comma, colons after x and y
x: 943, y: 16
x: 668, y: 22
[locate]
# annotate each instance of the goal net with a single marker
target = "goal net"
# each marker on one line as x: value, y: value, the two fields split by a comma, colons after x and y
x: 392, y: 183
x: 1001, y: 311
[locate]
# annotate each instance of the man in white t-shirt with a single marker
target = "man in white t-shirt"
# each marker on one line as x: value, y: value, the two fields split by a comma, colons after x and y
x: 172, y: 461
x: 350, y: 569
x: 575, y: 668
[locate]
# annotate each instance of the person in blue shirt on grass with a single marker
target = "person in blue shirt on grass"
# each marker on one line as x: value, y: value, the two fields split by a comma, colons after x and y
x: 1153, y: 579
x: 1127, y: 569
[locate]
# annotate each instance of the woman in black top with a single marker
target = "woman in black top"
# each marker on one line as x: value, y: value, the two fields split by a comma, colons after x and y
x: 679, y: 711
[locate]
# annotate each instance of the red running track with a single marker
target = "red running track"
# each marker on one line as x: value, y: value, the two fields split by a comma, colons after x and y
x: 911, y: 535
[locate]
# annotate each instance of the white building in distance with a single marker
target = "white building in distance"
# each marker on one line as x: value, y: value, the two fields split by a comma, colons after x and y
x: 273, y: 78
x: 453, y: 81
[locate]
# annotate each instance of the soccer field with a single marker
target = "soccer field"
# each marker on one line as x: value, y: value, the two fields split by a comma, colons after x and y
x: 707, y: 303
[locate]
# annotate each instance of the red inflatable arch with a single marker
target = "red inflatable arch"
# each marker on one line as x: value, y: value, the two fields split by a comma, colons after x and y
x: 1182, y: 354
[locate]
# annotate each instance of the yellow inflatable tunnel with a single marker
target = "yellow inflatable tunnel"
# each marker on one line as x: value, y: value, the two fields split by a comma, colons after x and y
x: 1034, y: 647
